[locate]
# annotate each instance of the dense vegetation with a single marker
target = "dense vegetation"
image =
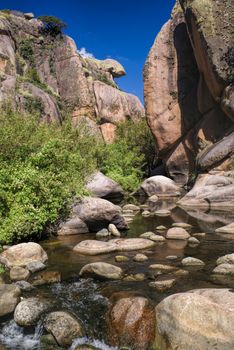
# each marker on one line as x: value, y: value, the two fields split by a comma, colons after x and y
x: 42, y: 167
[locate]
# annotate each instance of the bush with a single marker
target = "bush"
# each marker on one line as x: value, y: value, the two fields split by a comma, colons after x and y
x: 52, y: 25
x: 26, y: 50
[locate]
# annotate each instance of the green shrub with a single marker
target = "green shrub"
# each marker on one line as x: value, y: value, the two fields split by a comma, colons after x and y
x: 26, y: 50
x: 52, y: 25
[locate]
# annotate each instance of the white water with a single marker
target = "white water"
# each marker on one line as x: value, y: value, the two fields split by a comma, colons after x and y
x: 96, y: 343
x: 14, y: 337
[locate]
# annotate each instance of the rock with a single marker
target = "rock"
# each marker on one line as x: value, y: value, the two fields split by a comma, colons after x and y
x: 24, y: 286
x: 132, y: 207
x: 73, y: 226
x: 131, y: 322
x: 193, y: 241
x: 172, y: 257
x: 226, y: 229
x: 22, y: 254
x: 161, y: 228
x: 199, y: 234
x: 181, y: 273
x: 113, y: 230
x: 224, y: 269
x: 29, y: 311
x: 102, y: 186
x: 162, y: 212
x: 98, y: 213
x: 9, y: 298
x: 18, y: 273
x: 182, y: 320
x: 140, y: 258
x: 182, y: 225
x: 163, y: 285
x: 121, y: 258
x: 160, y: 186
x: 91, y: 247
x: 146, y: 213
x: 177, y: 233
x: 153, y: 199
x: 29, y: 15
x: 46, y: 277
x: 138, y: 277
x: 64, y: 327
x: 190, y: 261
x: 103, y: 233
x: 210, y: 192
x: 102, y: 270
x: 125, y: 245
x: 35, y: 266
x: 226, y: 259
x: 153, y: 237
x: 163, y: 268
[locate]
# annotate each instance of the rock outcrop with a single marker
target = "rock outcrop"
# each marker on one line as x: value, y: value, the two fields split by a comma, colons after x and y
x: 47, y: 74
x: 189, y: 94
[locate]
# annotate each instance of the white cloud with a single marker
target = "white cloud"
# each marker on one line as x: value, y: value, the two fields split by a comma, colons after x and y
x: 83, y: 52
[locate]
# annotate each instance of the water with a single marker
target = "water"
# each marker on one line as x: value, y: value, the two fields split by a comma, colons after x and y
x: 89, y: 299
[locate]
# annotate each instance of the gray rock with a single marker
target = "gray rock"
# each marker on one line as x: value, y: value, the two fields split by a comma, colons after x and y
x: 160, y: 186
x: 29, y: 311
x: 73, y: 226
x: 102, y: 186
x: 18, y: 273
x: 24, y: 285
x: 9, y: 298
x: 103, y: 233
x: 35, y: 266
x: 190, y: 261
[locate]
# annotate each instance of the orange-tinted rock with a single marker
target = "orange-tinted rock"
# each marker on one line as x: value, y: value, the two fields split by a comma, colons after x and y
x: 108, y: 132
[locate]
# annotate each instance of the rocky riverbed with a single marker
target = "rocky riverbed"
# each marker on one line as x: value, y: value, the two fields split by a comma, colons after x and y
x: 70, y: 299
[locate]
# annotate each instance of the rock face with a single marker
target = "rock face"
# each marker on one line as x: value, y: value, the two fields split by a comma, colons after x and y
x: 200, y: 319
x: 38, y: 72
x: 188, y: 79
x: 210, y: 191
x: 131, y: 322
x: 22, y: 254
x: 9, y: 298
x: 102, y: 186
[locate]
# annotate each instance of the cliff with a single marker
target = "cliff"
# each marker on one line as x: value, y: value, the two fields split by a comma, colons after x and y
x: 189, y: 93
x: 47, y: 74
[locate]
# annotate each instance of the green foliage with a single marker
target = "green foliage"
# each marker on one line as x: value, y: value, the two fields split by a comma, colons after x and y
x: 26, y: 50
x: 128, y: 159
x: 52, y: 25
x: 33, y: 104
x: 2, y: 269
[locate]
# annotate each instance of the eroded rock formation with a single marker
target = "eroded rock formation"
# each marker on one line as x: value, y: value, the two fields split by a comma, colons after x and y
x: 188, y: 77
x: 42, y: 73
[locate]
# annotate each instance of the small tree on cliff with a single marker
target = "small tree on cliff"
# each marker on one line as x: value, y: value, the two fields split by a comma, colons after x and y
x: 52, y: 25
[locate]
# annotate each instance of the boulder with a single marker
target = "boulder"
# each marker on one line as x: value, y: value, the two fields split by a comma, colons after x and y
x: 177, y: 233
x: 190, y: 261
x: 18, y: 273
x: 64, y: 327
x: 29, y: 311
x: 226, y: 229
x: 102, y: 186
x: 22, y: 254
x: 224, y: 269
x: 226, y: 259
x: 102, y: 270
x: 35, y: 266
x: 160, y: 186
x: 129, y: 244
x: 200, y: 319
x: 9, y: 298
x: 131, y: 322
x: 98, y: 213
x: 73, y: 226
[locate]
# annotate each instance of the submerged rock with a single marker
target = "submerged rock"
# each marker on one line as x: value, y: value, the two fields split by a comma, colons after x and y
x: 131, y: 322
x: 23, y: 254
x: 9, y: 298
x: 102, y: 270
x: 29, y: 311
x: 181, y: 320
x: 64, y: 327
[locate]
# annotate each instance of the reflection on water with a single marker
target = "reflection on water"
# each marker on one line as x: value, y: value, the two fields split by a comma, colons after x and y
x: 88, y: 299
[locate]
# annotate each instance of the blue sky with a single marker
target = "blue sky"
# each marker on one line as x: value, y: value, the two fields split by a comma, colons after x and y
x: 120, y: 29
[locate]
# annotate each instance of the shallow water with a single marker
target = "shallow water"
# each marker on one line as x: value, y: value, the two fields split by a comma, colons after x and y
x: 89, y: 299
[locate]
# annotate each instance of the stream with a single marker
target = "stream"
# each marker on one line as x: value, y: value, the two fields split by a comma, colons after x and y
x: 88, y: 299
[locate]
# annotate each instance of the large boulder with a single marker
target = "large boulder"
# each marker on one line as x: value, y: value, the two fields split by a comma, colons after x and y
x: 29, y: 311
x: 98, y: 213
x: 131, y: 322
x: 160, y: 186
x: 73, y: 226
x: 102, y: 270
x: 64, y: 327
x: 200, y: 319
x: 102, y: 186
x: 22, y: 254
x: 9, y: 298
x: 210, y: 191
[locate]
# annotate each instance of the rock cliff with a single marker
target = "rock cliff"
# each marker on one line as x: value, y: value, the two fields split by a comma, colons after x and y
x: 47, y: 74
x: 189, y: 90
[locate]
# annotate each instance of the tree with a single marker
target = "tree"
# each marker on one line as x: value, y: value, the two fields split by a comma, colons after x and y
x: 52, y: 25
